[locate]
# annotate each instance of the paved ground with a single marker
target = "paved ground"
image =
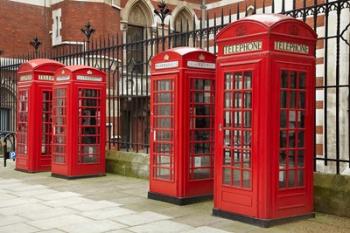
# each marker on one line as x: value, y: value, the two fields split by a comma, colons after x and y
x: 116, y: 204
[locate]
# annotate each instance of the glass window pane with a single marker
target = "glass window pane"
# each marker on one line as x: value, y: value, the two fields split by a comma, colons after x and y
x: 291, y: 178
x: 292, y: 97
x: 164, y: 85
x: 284, y: 79
x: 246, y: 179
x: 227, y: 137
x: 237, y: 100
x: 228, y: 81
x: 163, y: 160
x: 201, y: 122
x: 227, y: 157
x: 247, y: 80
x: 201, y: 161
x: 300, y: 158
x: 163, y: 110
x: 292, y: 119
x: 202, y: 110
x: 247, y: 119
x: 282, y: 179
x: 283, y: 119
x: 283, y: 99
x: 301, y: 139
x: 301, y: 100
x: 201, y: 135
x: 293, y: 79
x: 201, y: 173
x: 300, y: 177
x: 237, y: 119
x: 236, y: 178
x: 227, y: 176
x: 247, y: 100
x: 164, y: 135
x: 236, y: 158
x: 228, y: 119
x: 291, y: 159
x: 291, y: 139
x: 301, y: 119
x: 201, y: 148
x: 237, y: 138
x: 302, y: 79
x: 247, y: 139
x: 246, y: 159
x: 238, y: 80
x: 283, y: 156
x: 228, y: 100
x: 283, y: 139
x: 163, y: 173
x: 163, y: 98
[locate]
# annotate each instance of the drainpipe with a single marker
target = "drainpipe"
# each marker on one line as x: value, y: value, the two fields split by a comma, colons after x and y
x: 204, y: 13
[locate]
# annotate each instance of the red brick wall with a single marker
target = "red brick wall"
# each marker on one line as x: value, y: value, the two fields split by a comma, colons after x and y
x: 19, y: 24
x: 104, y: 18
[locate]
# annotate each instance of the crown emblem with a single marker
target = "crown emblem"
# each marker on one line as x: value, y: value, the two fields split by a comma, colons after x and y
x: 166, y: 57
x: 89, y: 72
x: 62, y: 72
x: 201, y: 57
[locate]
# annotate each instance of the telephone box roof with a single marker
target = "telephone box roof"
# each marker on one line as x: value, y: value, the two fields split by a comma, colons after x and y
x: 266, y: 22
x: 35, y: 64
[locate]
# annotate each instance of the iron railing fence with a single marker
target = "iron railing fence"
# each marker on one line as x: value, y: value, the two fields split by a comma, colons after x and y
x: 127, y: 65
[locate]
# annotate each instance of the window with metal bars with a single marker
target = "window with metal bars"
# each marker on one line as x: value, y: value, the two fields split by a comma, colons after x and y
x: 237, y: 129
x: 89, y: 126
x: 201, y: 128
x: 292, y: 128
x: 163, y: 124
x: 22, y: 124
x: 59, y: 125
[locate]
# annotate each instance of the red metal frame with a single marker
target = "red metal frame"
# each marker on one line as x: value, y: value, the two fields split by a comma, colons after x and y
x: 35, y: 80
x: 182, y: 125
x: 79, y: 122
x: 250, y: 140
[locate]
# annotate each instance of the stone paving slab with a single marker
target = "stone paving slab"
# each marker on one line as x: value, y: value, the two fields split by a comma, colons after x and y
x: 16, y: 202
x: 18, y: 228
x: 141, y: 218
x: 58, y: 195
x: 66, y: 201
x: 205, y: 229
x: 92, y: 227
x: 107, y: 213
x: 35, y: 193
x: 93, y: 205
x: 114, y: 204
x: 8, y: 220
x: 25, y: 208
x: 47, y: 213
x: 52, y: 231
x: 59, y: 221
x: 161, y: 227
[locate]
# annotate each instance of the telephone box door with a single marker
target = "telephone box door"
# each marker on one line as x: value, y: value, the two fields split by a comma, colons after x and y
x: 295, y: 163
x: 22, y: 127
x: 46, y: 127
x: 237, y: 171
x: 163, y: 136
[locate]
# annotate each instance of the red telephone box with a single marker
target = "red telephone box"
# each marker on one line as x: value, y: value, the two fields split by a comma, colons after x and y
x: 79, y: 115
x: 34, y: 97
x: 182, y: 125
x: 265, y: 120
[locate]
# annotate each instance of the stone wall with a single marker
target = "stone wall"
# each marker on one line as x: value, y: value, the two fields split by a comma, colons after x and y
x: 128, y: 164
x: 332, y: 194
